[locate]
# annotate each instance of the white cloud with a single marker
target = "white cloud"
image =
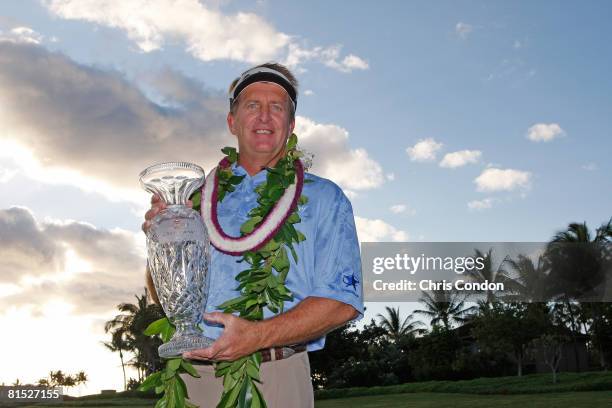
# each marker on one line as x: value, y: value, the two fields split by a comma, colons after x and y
x: 296, y: 55
x: 398, y: 208
x: 87, y: 127
x: 71, y: 124
x: 424, y: 150
x: 517, y: 44
x: 390, y: 176
x: 481, y: 204
x: 378, y: 231
x: 588, y: 166
x: 493, y: 179
x: 460, y: 158
x: 7, y: 174
x: 329, y: 56
x: 352, y: 169
x: 463, y: 29
x: 402, y: 209
x: 21, y: 35
x: 351, y: 62
x: 308, y: 92
x: 55, y: 260
x: 205, y: 31
x: 350, y: 194
x: 354, y: 62
x: 543, y: 132
x: 24, y: 248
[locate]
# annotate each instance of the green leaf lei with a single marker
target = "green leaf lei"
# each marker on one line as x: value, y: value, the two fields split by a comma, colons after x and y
x: 261, y: 285
x: 167, y: 380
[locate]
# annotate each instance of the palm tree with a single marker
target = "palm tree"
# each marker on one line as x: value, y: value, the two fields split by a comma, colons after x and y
x: 444, y: 306
x: 531, y: 281
x: 146, y: 356
x: 133, y: 320
x: 69, y: 381
x: 577, y: 260
x: 119, y: 343
x: 489, y: 273
x: 580, y: 233
x: 396, y: 330
x: 579, y: 272
x: 60, y: 379
x: 57, y: 378
x: 80, y: 378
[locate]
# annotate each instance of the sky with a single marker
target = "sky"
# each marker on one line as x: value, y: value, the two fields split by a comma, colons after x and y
x: 454, y: 121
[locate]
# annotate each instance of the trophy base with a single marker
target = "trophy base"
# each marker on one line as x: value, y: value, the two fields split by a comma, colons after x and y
x: 178, y: 345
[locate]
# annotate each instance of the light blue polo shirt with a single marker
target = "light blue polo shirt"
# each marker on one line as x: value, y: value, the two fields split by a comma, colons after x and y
x: 328, y: 265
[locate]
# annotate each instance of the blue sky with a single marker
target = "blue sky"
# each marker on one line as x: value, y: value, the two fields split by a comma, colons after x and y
x: 515, y: 95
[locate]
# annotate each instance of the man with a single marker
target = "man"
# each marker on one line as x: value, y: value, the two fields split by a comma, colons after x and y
x: 325, y: 281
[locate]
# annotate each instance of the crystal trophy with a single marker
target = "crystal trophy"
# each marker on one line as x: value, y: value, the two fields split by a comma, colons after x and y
x: 178, y: 252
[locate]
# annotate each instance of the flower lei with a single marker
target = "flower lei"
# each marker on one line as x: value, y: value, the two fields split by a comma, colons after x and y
x: 264, y: 223
x: 265, y: 239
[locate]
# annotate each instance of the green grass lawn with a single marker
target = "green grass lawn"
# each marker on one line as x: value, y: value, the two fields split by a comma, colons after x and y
x: 129, y: 402
x: 527, y: 384
x: 591, y: 389
x: 587, y: 399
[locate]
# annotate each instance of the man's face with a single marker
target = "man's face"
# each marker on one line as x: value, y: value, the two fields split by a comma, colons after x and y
x: 261, y: 121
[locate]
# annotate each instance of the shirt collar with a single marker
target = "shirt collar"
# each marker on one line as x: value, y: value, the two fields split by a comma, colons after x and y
x: 258, y: 178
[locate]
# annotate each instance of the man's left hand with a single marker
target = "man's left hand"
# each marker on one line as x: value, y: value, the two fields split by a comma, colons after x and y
x: 240, y: 338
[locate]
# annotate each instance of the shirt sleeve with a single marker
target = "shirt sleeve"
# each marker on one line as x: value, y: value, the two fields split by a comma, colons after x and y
x: 337, y: 260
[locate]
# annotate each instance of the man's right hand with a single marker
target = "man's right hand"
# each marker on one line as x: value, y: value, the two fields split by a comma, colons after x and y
x: 157, y: 204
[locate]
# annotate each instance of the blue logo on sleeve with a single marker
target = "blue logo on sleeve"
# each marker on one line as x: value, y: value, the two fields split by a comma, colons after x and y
x: 350, y: 281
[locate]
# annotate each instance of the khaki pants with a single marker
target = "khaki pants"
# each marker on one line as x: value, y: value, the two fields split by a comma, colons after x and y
x: 285, y: 384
